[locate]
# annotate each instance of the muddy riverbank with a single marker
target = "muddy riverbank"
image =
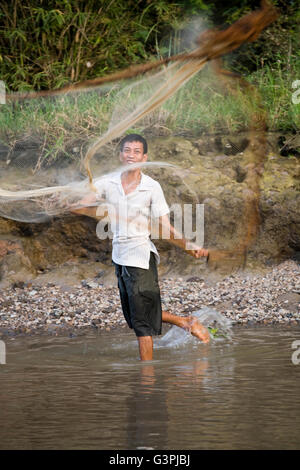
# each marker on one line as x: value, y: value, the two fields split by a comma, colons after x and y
x: 56, y: 277
x: 66, y: 249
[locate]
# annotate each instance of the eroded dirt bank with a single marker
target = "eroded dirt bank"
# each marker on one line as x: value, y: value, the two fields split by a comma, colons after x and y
x: 66, y: 249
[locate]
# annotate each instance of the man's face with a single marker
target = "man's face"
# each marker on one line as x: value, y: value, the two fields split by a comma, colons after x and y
x: 133, y: 152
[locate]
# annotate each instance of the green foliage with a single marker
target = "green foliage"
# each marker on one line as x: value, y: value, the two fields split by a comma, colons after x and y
x: 279, y: 42
x: 46, y: 44
x: 214, y: 332
x: 203, y: 105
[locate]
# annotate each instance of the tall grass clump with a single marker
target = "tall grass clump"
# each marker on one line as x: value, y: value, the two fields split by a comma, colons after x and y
x: 204, y: 105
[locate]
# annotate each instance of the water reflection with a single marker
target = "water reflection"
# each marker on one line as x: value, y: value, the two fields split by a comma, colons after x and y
x: 94, y: 393
x: 147, y: 414
x: 152, y: 395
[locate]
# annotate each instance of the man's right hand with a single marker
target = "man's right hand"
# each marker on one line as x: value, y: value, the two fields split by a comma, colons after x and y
x: 198, y: 253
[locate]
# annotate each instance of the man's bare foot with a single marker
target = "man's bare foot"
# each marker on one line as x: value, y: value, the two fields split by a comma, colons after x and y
x: 197, y: 329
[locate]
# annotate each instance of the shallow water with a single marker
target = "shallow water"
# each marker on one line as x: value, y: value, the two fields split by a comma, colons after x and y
x: 92, y: 392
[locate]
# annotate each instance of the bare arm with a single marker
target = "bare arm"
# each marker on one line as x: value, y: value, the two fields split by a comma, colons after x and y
x: 175, y: 238
x: 89, y: 210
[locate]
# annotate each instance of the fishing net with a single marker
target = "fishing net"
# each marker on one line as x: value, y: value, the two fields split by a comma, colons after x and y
x: 45, y: 169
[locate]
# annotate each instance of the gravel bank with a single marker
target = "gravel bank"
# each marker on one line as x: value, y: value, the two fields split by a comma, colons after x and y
x: 270, y: 298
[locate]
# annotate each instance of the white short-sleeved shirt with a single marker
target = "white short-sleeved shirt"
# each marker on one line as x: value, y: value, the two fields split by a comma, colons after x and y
x: 130, y: 217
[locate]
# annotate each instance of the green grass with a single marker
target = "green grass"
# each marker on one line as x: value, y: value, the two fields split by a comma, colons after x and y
x: 275, y: 86
x: 203, y: 105
x: 56, y: 122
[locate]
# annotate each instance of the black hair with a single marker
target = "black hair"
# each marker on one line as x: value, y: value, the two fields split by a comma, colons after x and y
x: 134, y: 138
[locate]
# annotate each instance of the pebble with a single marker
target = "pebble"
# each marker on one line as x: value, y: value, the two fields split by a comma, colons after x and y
x: 242, y: 299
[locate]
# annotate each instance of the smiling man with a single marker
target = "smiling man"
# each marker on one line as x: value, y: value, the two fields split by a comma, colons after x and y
x: 138, y: 198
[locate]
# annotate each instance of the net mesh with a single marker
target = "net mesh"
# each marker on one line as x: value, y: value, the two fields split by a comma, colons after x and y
x: 44, y: 171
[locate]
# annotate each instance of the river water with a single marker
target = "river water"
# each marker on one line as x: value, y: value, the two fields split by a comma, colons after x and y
x: 92, y: 392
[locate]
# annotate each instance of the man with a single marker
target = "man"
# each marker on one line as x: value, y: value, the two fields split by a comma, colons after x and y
x: 135, y: 198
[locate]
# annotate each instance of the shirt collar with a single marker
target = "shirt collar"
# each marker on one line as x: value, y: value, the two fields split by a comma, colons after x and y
x: 144, y: 185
